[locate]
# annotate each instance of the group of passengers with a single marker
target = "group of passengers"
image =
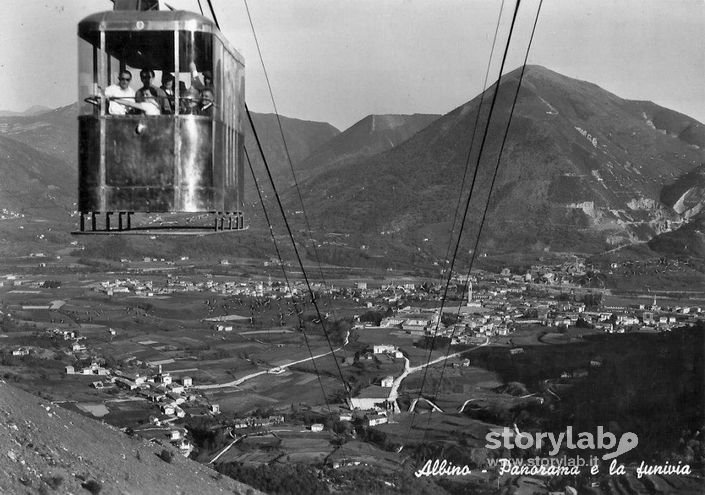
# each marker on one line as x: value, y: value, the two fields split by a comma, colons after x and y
x: 152, y: 100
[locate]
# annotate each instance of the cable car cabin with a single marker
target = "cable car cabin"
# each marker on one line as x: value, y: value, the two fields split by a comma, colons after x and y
x: 161, y: 97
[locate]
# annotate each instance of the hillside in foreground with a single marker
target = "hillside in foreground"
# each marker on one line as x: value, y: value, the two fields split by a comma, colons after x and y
x: 47, y: 449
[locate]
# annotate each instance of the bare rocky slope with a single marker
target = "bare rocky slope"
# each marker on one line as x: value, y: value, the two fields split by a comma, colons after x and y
x: 48, y: 449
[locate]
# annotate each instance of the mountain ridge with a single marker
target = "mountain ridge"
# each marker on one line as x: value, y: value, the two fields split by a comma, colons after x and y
x: 581, y: 167
x: 582, y: 170
x: 371, y: 135
x: 33, y: 110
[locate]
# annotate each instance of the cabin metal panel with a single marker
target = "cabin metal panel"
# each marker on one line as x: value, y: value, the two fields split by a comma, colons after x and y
x: 139, y: 150
x: 88, y: 164
x: 240, y: 170
x: 195, y: 165
x: 219, y: 162
x: 147, y: 199
x: 141, y: 168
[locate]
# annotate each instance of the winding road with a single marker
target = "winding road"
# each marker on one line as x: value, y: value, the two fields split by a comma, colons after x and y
x: 275, y: 371
x: 394, y: 392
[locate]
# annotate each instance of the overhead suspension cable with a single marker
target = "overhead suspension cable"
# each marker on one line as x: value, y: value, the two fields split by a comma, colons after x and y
x: 472, y: 137
x: 286, y: 279
x: 286, y: 147
x: 296, y: 252
x: 467, y: 204
x: 215, y: 19
x: 291, y: 236
x: 281, y: 129
x: 494, y: 178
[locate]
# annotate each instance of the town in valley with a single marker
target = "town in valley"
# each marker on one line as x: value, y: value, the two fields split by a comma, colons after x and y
x: 234, y: 364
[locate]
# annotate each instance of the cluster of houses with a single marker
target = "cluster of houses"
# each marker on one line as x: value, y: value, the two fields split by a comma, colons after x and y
x: 6, y: 214
x: 176, y: 284
x: 160, y: 388
x: 126, y: 286
x: 76, y: 345
x: 255, y: 422
x: 63, y: 333
x: 93, y: 369
x: 501, y: 311
x: 374, y: 398
x: 470, y: 327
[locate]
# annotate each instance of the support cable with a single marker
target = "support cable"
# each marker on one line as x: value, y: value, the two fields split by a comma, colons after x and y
x: 296, y: 251
x: 467, y: 204
x: 215, y: 19
x: 472, y: 138
x: 286, y: 279
x: 286, y: 147
x: 489, y: 196
x: 494, y: 178
x: 288, y: 228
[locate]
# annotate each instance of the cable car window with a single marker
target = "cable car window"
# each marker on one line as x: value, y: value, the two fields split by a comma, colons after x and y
x: 139, y: 64
x: 196, y: 57
x: 88, y: 77
x: 136, y: 4
x: 144, y: 49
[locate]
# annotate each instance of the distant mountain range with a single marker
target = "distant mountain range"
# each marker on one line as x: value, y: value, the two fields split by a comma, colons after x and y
x: 54, y: 132
x: 33, y: 180
x: 582, y: 171
x: 368, y: 137
x: 302, y: 138
x: 33, y: 110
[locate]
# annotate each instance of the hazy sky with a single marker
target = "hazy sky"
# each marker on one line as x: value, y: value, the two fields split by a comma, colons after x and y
x: 340, y: 60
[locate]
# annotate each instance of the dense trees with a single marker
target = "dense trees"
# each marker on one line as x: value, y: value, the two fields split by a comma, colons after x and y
x: 277, y: 480
x: 294, y: 479
x: 433, y: 343
x: 374, y: 317
x: 653, y: 384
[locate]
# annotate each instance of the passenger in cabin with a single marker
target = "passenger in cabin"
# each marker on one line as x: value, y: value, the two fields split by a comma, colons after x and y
x: 200, y: 80
x: 183, y: 93
x: 207, y: 79
x: 168, y: 88
x: 207, y: 98
x: 150, y: 99
x: 190, y: 101
x: 122, y: 90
